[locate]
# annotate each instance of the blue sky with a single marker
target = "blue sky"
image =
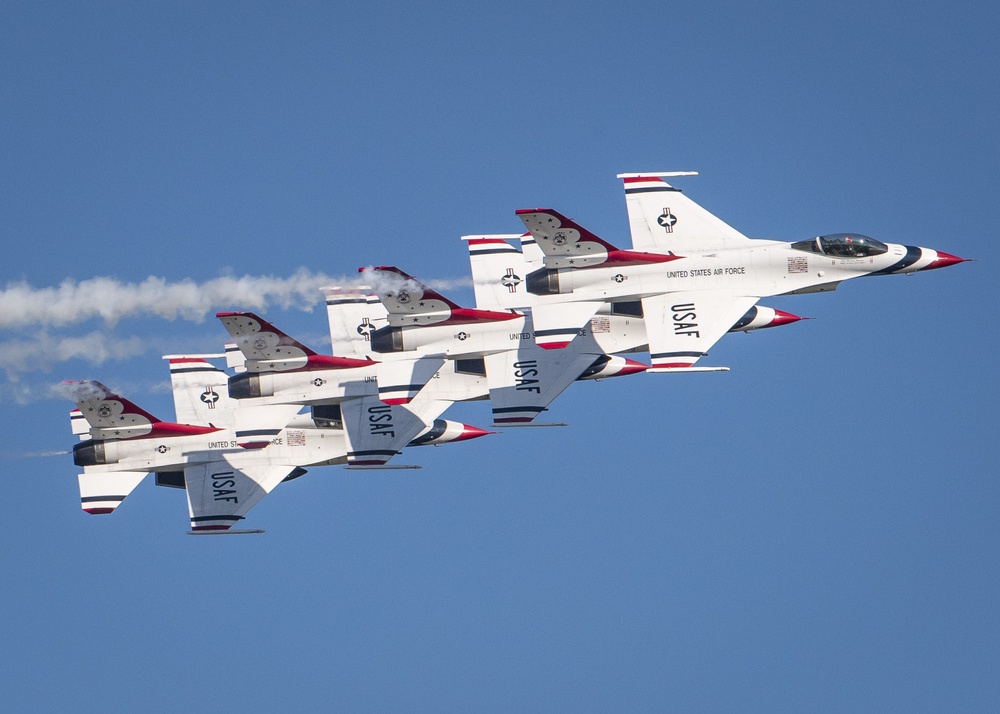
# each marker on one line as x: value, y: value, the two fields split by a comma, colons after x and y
x: 815, y: 530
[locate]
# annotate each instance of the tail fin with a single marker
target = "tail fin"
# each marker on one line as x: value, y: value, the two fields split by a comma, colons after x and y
x: 78, y: 425
x: 499, y: 270
x: 260, y: 341
x: 410, y: 302
x: 235, y: 359
x: 354, y: 314
x: 268, y: 349
x: 564, y: 242
x: 111, y: 416
x: 200, y: 390
x: 534, y: 258
x: 105, y: 411
x: 662, y: 219
x: 403, y: 296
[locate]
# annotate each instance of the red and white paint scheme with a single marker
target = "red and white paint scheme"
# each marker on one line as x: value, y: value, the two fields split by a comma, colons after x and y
x: 707, y: 278
x: 282, y: 370
x: 523, y: 375
x: 568, y: 245
x: 231, y: 454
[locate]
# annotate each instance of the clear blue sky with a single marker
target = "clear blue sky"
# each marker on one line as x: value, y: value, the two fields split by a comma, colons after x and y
x: 816, y: 530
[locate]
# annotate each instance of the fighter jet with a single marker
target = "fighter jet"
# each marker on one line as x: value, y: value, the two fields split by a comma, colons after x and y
x: 523, y: 379
x: 277, y: 369
x: 227, y: 459
x: 617, y: 327
x: 695, y: 276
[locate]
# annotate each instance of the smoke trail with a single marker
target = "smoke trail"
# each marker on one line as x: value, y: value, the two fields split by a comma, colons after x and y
x: 33, y: 454
x: 72, y: 301
x: 43, y: 350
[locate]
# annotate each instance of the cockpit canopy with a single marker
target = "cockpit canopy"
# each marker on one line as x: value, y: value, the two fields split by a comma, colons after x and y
x: 843, y: 245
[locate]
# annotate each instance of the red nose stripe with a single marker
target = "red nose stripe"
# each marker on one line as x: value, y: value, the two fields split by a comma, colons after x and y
x: 633, y: 367
x: 944, y: 260
x: 783, y: 318
x: 471, y: 432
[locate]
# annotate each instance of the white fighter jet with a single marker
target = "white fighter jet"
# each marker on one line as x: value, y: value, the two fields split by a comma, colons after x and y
x: 617, y: 327
x: 423, y: 325
x: 695, y: 276
x: 225, y: 455
x: 278, y: 369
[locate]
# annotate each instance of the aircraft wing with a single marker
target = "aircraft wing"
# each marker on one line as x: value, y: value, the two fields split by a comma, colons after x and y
x: 221, y: 493
x: 377, y: 431
x: 524, y: 382
x: 682, y: 326
x: 555, y: 325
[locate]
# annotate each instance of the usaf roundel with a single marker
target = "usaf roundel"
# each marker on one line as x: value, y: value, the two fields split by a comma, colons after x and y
x: 667, y: 220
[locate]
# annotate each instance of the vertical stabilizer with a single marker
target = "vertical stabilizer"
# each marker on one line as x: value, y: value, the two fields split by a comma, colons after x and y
x: 499, y: 270
x: 354, y: 314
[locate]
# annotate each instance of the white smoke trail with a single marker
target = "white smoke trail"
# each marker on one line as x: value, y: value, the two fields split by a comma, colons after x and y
x: 387, y: 282
x: 79, y: 390
x: 34, y: 454
x: 72, y: 301
x: 43, y: 350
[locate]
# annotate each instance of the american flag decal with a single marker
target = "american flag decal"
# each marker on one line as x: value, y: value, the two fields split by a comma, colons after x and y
x: 295, y: 437
x: 600, y: 324
x: 798, y: 264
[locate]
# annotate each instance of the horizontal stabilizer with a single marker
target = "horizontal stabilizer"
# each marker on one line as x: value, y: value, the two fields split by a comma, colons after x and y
x: 102, y: 493
x: 556, y: 325
x: 399, y: 381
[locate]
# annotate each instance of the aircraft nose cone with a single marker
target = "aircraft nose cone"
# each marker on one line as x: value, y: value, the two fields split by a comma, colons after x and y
x: 943, y: 260
x: 783, y: 318
x: 471, y: 432
x: 632, y: 367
